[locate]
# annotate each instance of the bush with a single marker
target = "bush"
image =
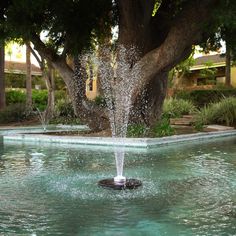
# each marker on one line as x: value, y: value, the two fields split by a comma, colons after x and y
x: 14, y: 113
x: 64, y: 108
x: 60, y: 94
x: 39, y: 98
x: 175, y: 108
x: 223, y: 112
x: 64, y: 114
x: 65, y: 120
x: 15, y: 96
x: 136, y: 130
x: 100, y: 101
x: 201, y: 98
x: 162, y: 128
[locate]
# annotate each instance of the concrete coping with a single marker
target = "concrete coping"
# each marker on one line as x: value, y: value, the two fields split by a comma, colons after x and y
x: 108, y: 141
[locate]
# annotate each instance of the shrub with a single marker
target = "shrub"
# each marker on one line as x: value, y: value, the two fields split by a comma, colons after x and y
x: 162, y: 128
x: 39, y: 98
x: 201, y: 98
x: 223, y: 112
x: 100, y: 101
x: 15, y: 96
x: 64, y: 108
x: 60, y: 94
x: 65, y: 120
x: 64, y: 113
x: 174, y: 108
x: 14, y: 113
x: 136, y: 130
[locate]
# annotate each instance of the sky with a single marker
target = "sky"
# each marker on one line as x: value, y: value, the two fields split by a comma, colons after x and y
x: 16, y: 52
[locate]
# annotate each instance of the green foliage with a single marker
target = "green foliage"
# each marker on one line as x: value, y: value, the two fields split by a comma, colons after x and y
x: 64, y: 113
x: 14, y: 80
x: 201, y: 98
x: 75, y: 22
x: 222, y: 112
x: 162, y: 128
x: 136, y: 130
x: 40, y: 98
x: 174, y: 108
x: 15, y: 96
x: 19, y: 81
x: 64, y: 108
x: 180, y: 70
x: 222, y: 28
x: 14, y: 113
x: 60, y: 94
x: 65, y: 120
x: 100, y: 101
x: 208, y: 72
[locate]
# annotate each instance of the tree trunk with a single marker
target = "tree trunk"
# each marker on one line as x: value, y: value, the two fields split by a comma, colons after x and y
x: 2, y: 77
x: 228, y: 66
x: 147, y: 107
x: 49, y: 78
x: 160, y: 49
x: 158, y: 54
x: 28, y: 78
x: 87, y: 111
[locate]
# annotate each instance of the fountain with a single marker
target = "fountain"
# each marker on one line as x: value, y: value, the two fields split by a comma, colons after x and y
x: 43, y: 119
x: 118, y: 80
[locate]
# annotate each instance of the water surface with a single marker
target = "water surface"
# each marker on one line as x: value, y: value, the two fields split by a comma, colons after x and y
x: 188, y: 189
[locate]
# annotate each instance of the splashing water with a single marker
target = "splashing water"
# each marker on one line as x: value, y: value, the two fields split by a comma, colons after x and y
x: 43, y: 119
x: 119, y: 78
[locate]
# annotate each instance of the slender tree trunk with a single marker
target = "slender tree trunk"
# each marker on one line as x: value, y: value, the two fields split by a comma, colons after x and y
x: 28, y: 78
x: 2, y: 77
x: 228, y: 66
x: 49, y: 79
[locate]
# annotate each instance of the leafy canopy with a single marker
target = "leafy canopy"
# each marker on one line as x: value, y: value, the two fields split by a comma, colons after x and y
x: 66, y: 23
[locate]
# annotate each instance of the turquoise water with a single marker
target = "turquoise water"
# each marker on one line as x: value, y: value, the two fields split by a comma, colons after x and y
x: 187, y: 189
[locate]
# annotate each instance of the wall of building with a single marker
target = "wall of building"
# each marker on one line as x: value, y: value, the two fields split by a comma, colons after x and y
x: 91, y: 89
x: 233, y: 76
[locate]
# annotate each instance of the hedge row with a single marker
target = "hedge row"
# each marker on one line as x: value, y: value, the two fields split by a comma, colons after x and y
x: 200, y: 98
x: 39, y: 97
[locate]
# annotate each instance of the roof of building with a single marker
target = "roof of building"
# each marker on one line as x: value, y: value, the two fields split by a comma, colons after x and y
x: 20, y: 68
x: 216, y: 60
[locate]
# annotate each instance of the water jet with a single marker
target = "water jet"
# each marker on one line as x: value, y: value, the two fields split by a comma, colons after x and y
x: 118, y: 81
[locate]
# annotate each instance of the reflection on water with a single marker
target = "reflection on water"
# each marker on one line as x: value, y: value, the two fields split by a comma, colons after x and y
x: 187, y: 190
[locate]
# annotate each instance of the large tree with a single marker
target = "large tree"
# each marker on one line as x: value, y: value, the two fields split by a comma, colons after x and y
x: 2, y: 77
x: 162, y: 31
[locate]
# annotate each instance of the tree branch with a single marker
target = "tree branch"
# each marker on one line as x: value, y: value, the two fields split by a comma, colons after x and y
x: 186, y: 31
x: 40, y: 61
x: 59, y: 63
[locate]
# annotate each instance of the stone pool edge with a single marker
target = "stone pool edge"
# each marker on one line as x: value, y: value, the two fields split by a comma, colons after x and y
x: 127, y: 142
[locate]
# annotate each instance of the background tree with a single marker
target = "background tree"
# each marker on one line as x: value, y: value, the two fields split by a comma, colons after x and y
x: 162, y: 31
x: 28, y: 77
x: 2, y: 77
x: 48, y: 76
x: 179, y: 71
x: 222, y: 32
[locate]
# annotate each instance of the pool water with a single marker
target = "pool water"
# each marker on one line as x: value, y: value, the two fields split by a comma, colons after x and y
x: 188, y: 189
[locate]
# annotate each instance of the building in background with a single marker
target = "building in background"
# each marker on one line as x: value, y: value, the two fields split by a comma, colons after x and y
x: 207, y: 72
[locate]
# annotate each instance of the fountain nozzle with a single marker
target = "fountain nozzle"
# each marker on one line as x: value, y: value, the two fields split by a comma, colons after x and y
x: 119, y: 179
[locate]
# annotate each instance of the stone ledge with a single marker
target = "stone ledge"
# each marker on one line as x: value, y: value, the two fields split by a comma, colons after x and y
x: 127, y: 142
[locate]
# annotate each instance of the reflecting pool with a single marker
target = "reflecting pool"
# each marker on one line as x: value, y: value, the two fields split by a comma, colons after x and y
x: 188, y: 189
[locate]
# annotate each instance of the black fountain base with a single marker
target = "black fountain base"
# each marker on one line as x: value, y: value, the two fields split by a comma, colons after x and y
x: 128, y: 184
